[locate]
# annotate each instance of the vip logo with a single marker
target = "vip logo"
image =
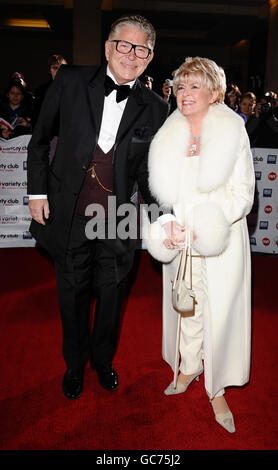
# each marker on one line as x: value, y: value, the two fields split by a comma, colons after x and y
x: 258, y: 175
x: 267, y: 192
x: 268, y: 209
x: 271, y: 159
x: 263, y: 225
x: 266, y: 241
x: 27, y: 236
x: 253, y: 241
x: 272, y: 176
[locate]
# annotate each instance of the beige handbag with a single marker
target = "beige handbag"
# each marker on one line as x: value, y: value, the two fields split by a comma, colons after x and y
x: 183, y: 296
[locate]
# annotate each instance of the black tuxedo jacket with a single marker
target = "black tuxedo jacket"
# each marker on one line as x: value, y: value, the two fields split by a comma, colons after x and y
x: 77, y: 97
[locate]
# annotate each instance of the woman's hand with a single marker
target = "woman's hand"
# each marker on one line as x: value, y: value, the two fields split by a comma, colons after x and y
x: 175, y: 235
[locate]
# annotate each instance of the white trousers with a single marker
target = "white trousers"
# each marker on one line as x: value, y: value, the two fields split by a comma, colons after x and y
x: 192, y: 328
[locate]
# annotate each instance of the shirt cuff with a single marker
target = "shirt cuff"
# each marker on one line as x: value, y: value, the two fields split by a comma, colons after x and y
x: 163, y: 219
x: 37, y: 196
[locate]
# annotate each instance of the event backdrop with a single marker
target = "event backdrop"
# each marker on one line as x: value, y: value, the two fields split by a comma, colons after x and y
x: 14, y: 212
x: 15, y: 217
x: 263, y: 220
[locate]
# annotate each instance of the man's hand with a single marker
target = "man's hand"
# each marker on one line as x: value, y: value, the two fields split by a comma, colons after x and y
x: 39, y: 209
x: 23, y: 122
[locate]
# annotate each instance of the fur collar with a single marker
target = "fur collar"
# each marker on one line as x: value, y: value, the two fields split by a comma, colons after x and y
x: 221, y: 132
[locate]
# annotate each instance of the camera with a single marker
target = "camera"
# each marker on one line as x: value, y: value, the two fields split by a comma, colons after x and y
x: 266, y: 107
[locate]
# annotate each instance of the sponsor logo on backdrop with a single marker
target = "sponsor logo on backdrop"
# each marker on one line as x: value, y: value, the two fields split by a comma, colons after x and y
x: 25, y: 165
x: 8, y: 236
x: 263, y: 225
x: 9, y: 167
x: 267, y: 192
x: 266, y: 241
x: 14, y: 219
x: 277, y: 225
x: 25, y: 200
x: 8, y: 219
x: 13, y: 149
x: 271, y: 159
x: 253, y: 241
x: 13, y: 185
x: 258, y: 159
x: 8, y: 202
x: 275, y: 241
x: 268, y: 209
x: 258, y: 175
x: 272, y: 176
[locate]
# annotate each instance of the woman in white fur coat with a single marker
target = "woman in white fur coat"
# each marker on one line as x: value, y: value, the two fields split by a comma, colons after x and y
x: 201, y: 168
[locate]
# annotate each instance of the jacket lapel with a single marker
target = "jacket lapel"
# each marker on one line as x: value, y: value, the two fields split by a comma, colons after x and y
x: 134, y: 108
x: 96, y: 97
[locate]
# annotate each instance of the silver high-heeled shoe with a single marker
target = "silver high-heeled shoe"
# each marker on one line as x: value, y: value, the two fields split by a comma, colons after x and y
x: 226, y: 420
x: 181, y: 388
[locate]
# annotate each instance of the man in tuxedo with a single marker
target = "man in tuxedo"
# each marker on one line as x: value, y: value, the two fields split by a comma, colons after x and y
x: 107, y: 118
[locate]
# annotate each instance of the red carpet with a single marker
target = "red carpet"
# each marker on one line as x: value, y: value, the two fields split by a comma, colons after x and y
x: 35, y: 415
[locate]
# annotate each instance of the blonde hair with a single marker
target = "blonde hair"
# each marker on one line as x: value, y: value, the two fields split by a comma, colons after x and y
x: 211, y: 75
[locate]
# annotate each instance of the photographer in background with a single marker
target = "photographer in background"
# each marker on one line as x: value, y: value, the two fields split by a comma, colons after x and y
x: 148, y: 82
x: 262, y: 127
x: 168, y: 95
x: 167, y: 90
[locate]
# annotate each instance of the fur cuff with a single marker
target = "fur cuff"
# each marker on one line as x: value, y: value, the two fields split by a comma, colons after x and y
x: 211, y: 229
x: 154, y: 236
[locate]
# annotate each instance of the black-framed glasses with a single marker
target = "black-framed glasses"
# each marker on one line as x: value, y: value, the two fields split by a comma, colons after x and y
x: 124, y: 47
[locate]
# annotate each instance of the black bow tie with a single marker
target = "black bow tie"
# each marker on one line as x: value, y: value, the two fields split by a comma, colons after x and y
x: 122, y: 90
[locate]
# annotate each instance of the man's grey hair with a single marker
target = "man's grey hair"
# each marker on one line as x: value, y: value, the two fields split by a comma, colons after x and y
x: 135, y: 21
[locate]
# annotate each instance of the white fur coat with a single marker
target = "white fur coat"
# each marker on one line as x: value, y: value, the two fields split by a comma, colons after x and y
x: 225, y: 167
x: 226, y: 183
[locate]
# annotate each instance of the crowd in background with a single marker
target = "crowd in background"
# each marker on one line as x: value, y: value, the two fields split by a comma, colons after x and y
x: 260, y: 114
x: 19, y: 107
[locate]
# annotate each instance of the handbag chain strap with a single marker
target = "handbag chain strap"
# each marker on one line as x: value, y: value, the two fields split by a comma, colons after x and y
x: 189, y: 251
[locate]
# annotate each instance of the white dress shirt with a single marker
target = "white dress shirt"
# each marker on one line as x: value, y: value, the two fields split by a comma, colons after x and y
x: 111, y: 117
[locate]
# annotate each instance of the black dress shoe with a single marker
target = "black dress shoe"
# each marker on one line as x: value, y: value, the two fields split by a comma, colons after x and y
x: 73, y: 383
x: 107, y: 376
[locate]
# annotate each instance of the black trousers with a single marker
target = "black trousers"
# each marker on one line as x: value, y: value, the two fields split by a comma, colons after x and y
x: 90, y: 268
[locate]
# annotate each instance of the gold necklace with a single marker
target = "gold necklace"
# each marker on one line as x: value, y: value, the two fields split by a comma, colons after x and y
x: 94, y: 175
